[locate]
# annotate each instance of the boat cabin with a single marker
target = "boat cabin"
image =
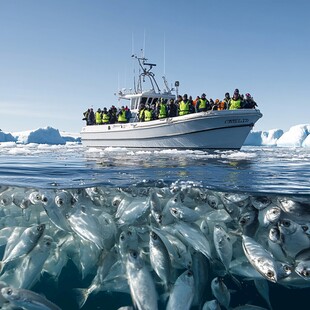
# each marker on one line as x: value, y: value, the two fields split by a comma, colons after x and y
x: 140, y: 97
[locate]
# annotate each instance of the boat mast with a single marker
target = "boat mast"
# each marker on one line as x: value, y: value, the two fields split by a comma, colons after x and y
x: 146, y: 72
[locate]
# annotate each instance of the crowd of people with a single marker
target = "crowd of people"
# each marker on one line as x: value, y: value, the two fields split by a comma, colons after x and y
x: 163, y: 108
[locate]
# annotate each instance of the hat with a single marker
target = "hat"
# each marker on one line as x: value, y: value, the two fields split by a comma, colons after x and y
x: 248, y: 95
x: 203, y: 95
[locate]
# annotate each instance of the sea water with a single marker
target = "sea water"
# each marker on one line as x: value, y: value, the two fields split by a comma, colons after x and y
x: 251, y: 174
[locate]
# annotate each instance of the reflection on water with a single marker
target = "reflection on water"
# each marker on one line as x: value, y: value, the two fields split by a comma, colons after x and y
x: 251, y: 169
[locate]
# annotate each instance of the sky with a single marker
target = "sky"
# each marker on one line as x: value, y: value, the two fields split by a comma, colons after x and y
x: 60, y: 57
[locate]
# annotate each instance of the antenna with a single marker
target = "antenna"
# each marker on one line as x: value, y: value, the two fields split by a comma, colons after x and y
x: 164, y: 54
x: 143, y: 44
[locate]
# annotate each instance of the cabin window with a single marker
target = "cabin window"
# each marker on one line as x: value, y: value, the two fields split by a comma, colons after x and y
x: 134, y: 103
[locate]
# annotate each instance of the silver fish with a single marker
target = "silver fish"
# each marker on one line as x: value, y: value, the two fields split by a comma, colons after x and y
x: 182, y: 293
x: 200, y: 269
x: 260, y: 258
x: 128, y: 240
x: 27, y: 299
x: 100, y: 230
x: 184, y: 214
x: 26, y: 242
x: 141, y: 283
x: 275, y: 244
x: 211, y: 305
x: 29, y: 270
x: 192, y: 236
x: 220, y: 292
x: 270, y: 215
x: 294, y: 237
x: 223, y: 245
x: 260, y: 202
x: 159, y: 258
x: 180, y: 255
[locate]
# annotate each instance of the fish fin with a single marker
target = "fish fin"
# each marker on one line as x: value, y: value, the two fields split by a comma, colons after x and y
x: 1, y: 266
x: 81, y: 296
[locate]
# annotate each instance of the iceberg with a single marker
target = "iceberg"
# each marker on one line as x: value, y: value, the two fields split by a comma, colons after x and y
x: 46, y: 135
x: 296, y: 136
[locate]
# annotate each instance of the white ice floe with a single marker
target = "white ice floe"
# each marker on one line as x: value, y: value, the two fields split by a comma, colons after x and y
x: 296, y: 136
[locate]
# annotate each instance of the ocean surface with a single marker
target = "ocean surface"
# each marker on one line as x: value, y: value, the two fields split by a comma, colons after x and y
x: 122, y: 188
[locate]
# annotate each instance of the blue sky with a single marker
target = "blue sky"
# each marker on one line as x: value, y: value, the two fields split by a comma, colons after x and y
x: 59, y: 57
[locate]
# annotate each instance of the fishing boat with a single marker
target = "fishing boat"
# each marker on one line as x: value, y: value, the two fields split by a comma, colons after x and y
x: 213, y: 129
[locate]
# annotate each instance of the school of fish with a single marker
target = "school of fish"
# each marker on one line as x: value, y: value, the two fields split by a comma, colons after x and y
x: 178, y: 246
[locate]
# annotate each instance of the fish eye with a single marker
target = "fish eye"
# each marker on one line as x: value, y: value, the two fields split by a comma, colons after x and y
x: 287, y: 268
x: 48, y: 243
x: 9, y: 291
x: 60, y: 201
x: 175, y: 200
x: 306, y: 273
x: 304, y: 227
x: 38, y: 196
x: 286, y: 223
x: 174, y: 211
x: 189, y: 273
x: 122, y: 237
x: 154, y: 236
x: 134, y: 254
x: 44, y: 199
x: 129, y: 233
x: 270, y: 274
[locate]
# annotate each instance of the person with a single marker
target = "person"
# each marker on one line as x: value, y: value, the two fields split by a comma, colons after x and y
x: 128, y: 114
x: 221, y: 105
x: 162, y: 111
x: 202, y: 104
x: 105, y: 116
x: 98, y: 117
x: 226, y: 101
x: 148, y: 114
x: 249, y: 102
x: 121, y: 116
x: 113, y: 114
x: 195, y: 101
x: 91, y: 117
x: 216, y: 104
x: 172, y: 108
x: 141, y: 112
x: 85, y: 118
x: 191, y: 104
x: 185, y: 106
x: 236, y: 101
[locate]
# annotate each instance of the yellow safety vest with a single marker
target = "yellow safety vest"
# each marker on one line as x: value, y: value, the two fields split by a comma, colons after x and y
x: 184, y: 108
x: 105, y: 118
x: 98, y: 118
x: 147, y: 115
x: 162, y: 111
x: 122, y: 117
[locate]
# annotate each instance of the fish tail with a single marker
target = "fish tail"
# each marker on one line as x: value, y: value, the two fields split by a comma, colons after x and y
x: 81, y: 296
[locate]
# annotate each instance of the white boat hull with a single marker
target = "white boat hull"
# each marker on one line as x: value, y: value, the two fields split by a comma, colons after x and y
x: 226, y: 129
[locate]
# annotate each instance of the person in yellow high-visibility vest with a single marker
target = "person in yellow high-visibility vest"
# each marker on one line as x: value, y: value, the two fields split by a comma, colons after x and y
x: 184, y: 106
x: 98, y: 117
x: 121, y: 117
